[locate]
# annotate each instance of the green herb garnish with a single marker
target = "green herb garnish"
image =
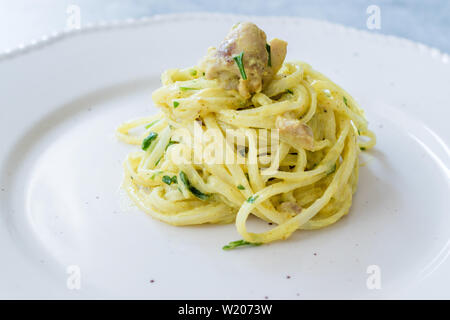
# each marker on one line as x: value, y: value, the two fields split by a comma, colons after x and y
x: 239, y: 243
x: 188, y: 88
x: 171, y: 142
x: 241, y: 187
x: 290, y: 91
x: 148, y: 140
x: 168, y: 180
x: 191, y: 188
x: 151, y: 124
x: 252, y: 198
x: 269, y: 60
x: 363, y: 148
x: 345, y: 101
x: 156, y: 163
x: 240, y: 63
x: 175, y: 104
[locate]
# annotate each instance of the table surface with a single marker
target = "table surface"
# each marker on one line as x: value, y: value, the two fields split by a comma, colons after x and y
x: 424, y: 21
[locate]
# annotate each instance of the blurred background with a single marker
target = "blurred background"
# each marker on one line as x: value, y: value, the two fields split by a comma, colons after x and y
x: 424, y: 21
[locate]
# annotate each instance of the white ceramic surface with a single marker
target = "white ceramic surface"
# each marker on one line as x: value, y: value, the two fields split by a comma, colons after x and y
x: 60, y: 171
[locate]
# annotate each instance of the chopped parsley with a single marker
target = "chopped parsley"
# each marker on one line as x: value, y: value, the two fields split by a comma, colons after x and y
x: 269, y: 60
x: 252, y: 199
x: 345, y: 101
x: 188, y: 88
x: 241, y: 187
x: 239, y: 243
x: 363, y: 148
x: 168, y: 180
x: 175, y: 104
x: 191, y: 188
x: 157, y: 162
x: 148, y: 140
x: 289, y: 91
x: 171, y: 142
x: 151, y: 124
x: 240, y: 63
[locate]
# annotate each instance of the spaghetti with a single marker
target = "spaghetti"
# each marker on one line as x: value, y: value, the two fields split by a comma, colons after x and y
x: 285, y: 146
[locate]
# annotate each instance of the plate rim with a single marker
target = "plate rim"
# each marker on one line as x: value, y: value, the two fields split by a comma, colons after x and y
x: 55, y: 37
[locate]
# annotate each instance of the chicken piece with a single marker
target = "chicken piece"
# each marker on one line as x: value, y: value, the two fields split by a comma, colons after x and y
x: 248, y: 39
x: 290, y: 207
x: 277, y: 54
x: 295, y: 133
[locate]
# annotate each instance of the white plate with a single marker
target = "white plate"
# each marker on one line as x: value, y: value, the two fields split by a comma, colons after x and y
x: 60, y: 171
